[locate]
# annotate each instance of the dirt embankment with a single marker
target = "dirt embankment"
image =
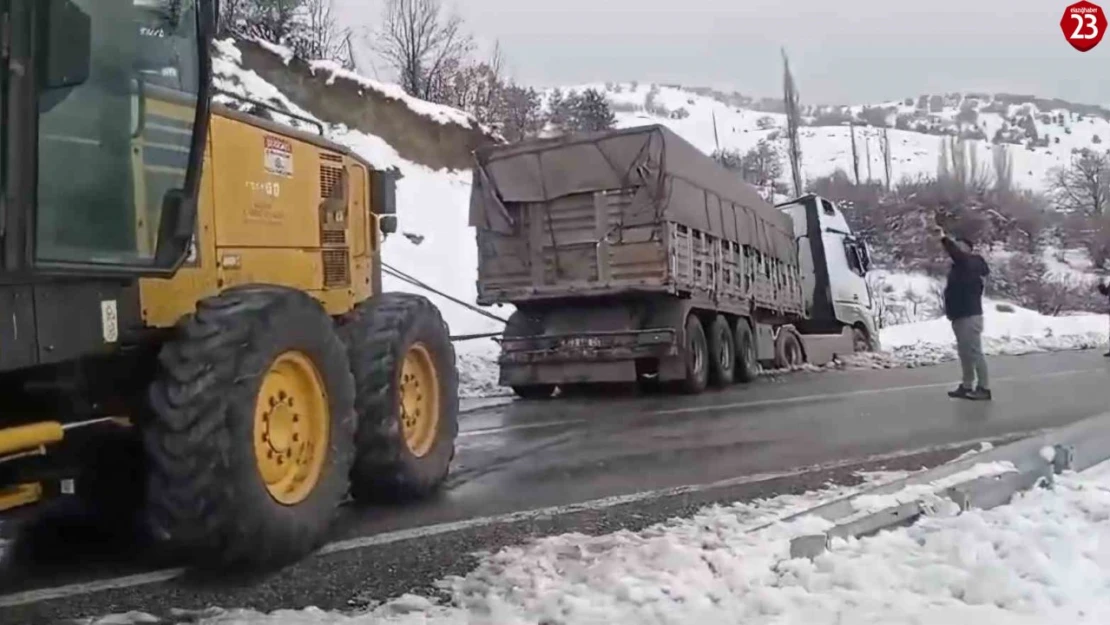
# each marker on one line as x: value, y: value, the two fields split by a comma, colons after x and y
x: 342, y: 100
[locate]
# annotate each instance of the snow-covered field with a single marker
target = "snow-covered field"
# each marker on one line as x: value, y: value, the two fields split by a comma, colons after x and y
x: 1045, y: 558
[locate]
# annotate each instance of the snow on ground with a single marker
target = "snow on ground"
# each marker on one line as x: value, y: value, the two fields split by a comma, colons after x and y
x: 1007, y: 330
x: 1044, y: 558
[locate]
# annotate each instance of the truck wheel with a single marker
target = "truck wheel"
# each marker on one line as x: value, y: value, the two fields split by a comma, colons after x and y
x: 407, y: 397
x: 722, y: 353
x: 250, y: 441
x: 788, y: 350
x: 696, y: 356
x: 747, y: 367
x: 534, y: 391
x: 861, y: 340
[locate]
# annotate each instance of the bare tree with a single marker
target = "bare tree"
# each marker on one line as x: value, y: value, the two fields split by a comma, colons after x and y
x: 1083, y: 186
x: 887, y: 158
x: 793, y: 121
x: 421, y: 42
x: 1003, y: 167
x: 855, y: 152
x: 232, y: 13
x: 272, y: 20
x: 321, y: 37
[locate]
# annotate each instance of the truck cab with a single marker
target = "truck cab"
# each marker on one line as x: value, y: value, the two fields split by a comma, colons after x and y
x: 834, y: 265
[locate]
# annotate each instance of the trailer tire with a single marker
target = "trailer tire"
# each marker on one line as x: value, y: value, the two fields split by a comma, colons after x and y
x: 403, y: 360
x: 788, y: 349
x: 747, y: 365
x: 695, y: 357
x: 722, y: 353
x: 215, y: 490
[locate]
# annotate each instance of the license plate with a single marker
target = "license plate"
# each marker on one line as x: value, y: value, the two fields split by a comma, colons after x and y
x: 582, y: 342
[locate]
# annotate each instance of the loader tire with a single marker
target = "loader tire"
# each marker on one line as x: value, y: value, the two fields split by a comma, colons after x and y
x: 407, y: 397
x: 255, y: 371
x: 696, y: 357
x: 722, y: 353
x: 747, y: 364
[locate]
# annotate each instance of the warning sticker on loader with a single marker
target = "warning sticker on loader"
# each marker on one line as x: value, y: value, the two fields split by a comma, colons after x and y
x: 278, y: 156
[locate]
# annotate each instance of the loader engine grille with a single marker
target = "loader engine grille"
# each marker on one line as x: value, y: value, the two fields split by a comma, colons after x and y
x: 337, y: 268
x: 333, y: 196
x: 330, y: 177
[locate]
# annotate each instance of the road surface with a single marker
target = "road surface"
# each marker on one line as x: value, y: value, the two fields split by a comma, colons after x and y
x: 599, y: 464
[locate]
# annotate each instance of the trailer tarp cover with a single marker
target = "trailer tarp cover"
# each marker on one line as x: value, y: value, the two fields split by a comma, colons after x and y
x: 674, y: 181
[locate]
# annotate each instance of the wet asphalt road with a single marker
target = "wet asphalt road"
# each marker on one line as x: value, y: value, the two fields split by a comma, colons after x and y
x: 533, y: 455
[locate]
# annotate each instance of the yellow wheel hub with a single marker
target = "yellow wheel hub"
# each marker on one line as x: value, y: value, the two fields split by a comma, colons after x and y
x: 292, y: 427
x: 419, y: 397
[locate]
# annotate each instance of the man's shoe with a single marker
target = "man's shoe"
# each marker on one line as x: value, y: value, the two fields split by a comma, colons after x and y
x: 1107, y: 355
x: 961, y: 392
x: 980, y: 394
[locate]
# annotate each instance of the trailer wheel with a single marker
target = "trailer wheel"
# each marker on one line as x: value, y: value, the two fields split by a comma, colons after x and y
x: 250, y: 442
x: 747, y: 366
x: 722, y: 353
x: 696, y: 356
x: 407, y: 397
x: 788, y: 350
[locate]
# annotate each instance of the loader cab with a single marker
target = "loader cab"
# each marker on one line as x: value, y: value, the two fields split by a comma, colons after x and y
x: 104, y: 134
x: 834, y: 263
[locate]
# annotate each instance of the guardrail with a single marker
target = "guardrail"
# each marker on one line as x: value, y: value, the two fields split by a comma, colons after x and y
x: 967, y: 483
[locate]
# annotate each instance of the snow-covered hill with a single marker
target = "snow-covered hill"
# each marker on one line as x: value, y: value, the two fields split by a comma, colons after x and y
x: 708, y: 122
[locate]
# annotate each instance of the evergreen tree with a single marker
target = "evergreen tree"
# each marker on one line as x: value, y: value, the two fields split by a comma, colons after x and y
x: 593, y: 112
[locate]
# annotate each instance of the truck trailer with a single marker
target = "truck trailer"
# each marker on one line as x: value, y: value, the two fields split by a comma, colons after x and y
x: 631, y: 256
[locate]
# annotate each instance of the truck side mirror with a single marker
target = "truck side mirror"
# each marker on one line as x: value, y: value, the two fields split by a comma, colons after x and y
x: 68, y: 45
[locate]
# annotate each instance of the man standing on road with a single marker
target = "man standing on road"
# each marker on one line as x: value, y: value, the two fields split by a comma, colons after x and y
x: 963, y: 305
x: 1105, y: 290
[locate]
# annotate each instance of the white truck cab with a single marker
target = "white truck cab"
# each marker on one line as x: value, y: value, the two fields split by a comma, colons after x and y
x: 834, y: 265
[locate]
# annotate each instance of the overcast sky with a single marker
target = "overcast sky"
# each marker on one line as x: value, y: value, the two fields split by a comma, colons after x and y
x: 848, y: 51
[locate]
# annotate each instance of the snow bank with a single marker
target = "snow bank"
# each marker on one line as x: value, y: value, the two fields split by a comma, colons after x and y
x: 1007, y: 330
x: 435, y: 112
x: 1045, y: 558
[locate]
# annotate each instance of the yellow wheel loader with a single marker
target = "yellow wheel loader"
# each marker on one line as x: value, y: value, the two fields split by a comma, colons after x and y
x: 193, y: 336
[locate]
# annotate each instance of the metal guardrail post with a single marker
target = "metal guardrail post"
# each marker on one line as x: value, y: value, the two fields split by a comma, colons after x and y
x: 1036, y: 460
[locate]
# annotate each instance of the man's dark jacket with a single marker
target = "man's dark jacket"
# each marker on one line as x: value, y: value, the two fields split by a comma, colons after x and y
x: 963, y: 295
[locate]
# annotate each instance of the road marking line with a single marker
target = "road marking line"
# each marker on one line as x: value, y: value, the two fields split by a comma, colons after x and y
x: 859, y: 393
x: 522, y: 426
x: 770, y: 402
x: 385, y: 538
